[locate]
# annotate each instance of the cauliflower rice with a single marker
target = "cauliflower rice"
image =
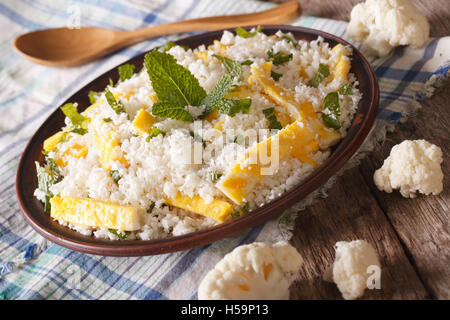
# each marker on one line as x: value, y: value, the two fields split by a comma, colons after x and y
x: 158, y: 167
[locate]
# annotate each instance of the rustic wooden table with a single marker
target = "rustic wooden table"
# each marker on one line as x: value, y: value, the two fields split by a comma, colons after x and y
x: 411, y: 236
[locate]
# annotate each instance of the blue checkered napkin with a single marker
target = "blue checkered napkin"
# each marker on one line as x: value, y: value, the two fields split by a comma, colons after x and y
x: 33, y: 268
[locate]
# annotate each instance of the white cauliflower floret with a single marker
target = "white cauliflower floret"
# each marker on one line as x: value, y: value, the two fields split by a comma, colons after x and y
x: 381, y: 25
x: 412, y: 166
x: 351, y: 267
x: 250, y: 272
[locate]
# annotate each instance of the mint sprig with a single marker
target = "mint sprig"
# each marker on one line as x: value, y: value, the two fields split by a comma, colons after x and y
x: 241, y: 32
x: 331, y: 104
x: 321, y: 74
x: 126, y: 71
x: 116, y: 105
x: 173, y: 84
x: 79, y: 122
x: 233, y: 67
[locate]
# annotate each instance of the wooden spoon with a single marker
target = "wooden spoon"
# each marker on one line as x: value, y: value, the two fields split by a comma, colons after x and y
x: 62, y: 47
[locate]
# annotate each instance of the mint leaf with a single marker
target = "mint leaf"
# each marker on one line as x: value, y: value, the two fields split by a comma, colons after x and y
x: 169, y: 45
x: 231, y: 107
x: 155, y: 132
x: 122, y: 235
x: 278, y: 58
x: 275, y: 75
x: 126, y: 71
x: 219, y: 91
x: 167, y: 110
x: 331, y: 103
x: 239, y: 139
x: 80, y: 131
x: 174, y: 85
x: 93, y: 96
x: 241, y: 32
x: 107, y: 119
x: 246, y: 63
x: 241, y: 211
x: 71, y: 112
x: 345, y: 89
x: 321, y: 74
x: 233, y: 67
x: 117, y: 106
x: 269, y: 113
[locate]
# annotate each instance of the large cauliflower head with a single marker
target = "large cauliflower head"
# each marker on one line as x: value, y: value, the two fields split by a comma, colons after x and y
x: 250, y: 272
x: 350, y: 268
x: 413, y: 165
x: 381, y: 25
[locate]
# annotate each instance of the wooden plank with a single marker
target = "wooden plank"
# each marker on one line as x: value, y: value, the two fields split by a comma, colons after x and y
x: 350, y: 212
x: 421, y: 223
x: 417, y: 227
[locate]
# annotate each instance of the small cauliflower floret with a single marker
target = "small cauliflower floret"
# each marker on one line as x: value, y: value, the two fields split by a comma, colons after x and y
x: 96, y: 213
x: 252, y: 272
x: 381, y: 25
x: 351, y: 267
x: 413, y: 165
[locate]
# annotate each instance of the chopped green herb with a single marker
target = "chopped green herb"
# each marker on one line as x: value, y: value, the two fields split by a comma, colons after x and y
x: 219, y: 91
x: 246, y: 63
x: 289, y: 39
x: 241, y: 211
x: 107, y: 119
x: 275, y: 76
x: 239, y: 139
x: 331, y: 103
x: 155, y: 132
x: 71, y: 112
x: 169, y: 45
x: 321, y: 74
x: 151, y: 207
x: 278, y: 58
x: 115, y: 175
x: 233, y: 67
x: 47, y: 176
x: 269, y: 113
x: 111, y: 82
x: 45, y: 153
x: 79, y: 122
x: 93, y: 96
x: 196, y: 137
x: 231, y: 107
x: 122, y: 235
x: 80, y: 131
x: 116, y: 105
x: 166, y: 110
x: 126, y: 71
x: 241, y: 32
x: 215, y: 176
x: 345, y: 89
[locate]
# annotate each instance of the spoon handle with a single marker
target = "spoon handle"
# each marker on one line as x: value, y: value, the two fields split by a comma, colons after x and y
x: 277, y: 15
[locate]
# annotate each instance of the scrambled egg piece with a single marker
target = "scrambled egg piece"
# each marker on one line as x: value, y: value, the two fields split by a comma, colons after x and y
x: 342, y: 66
x: 216, y: 209
x: 144, y: 122
x: 96, y: 213
x: 296, y: 140
x: 294, y: 111
x: 106, y: 144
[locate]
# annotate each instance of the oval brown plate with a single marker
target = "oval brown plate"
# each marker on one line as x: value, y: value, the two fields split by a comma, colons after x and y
x: 26, y: 180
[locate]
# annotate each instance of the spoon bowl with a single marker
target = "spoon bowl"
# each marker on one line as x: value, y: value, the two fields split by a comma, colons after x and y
x: 64, y: 47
